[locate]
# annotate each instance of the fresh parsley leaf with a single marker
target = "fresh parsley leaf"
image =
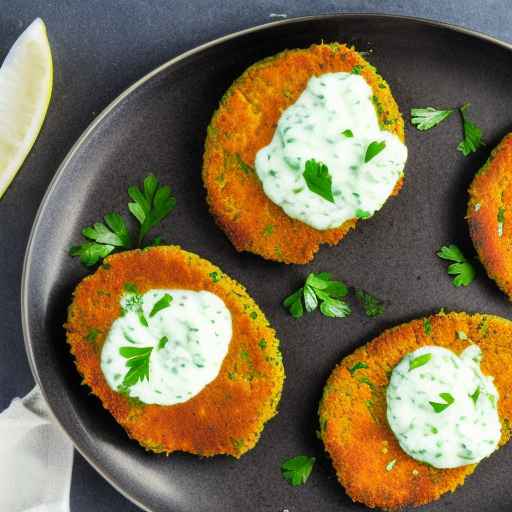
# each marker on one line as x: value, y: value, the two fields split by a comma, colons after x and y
x: 347, y: 133
x: 138, y: 364
x: 163, y: 341
x: 472, y: 134
x: 358, y: 366
x: 427, y: 327
x: 373, y: 149
x: 462, y: 269
x: 294, y: 303
x: 162, y: 303
x: 419, y: 361
x: 475, y: 395
x: 310, y: 298
x: 356, y: 70
x: 318, y: 180
x: 335, y: 308
x: 372, y: 306
x: 113, y: 232
x: 319, y: 290
x: 91, y: 253
x: 296, y: 470
x: 427, y: 118
x: 440, y: 407
x: 151, y: 205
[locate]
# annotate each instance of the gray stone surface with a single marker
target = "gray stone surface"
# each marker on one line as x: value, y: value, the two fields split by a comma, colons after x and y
x: 100, y: 47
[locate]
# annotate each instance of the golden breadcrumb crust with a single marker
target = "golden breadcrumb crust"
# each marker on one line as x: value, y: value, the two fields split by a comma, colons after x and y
x: 490, y: 201
x: 353, y: 424
x: 228, y: 415
x: 246, y: 121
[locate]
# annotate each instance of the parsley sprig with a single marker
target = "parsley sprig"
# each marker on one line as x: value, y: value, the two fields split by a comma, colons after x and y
x: 427, y: 118
x: 150, y: 207
x: 462, y: 269
x: 319, y: 290
x: 138, y: 364
x: 296, y: 470
x: 318, y: 180
x: 472, y: 134
x: 323, y: 292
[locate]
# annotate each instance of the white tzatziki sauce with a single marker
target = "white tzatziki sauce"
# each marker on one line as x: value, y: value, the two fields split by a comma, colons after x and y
x: 442, y: 408
x: 334, y: 122
x: 173, y: 342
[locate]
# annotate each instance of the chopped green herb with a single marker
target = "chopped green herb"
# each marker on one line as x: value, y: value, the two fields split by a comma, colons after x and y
x: 472, y: 134
x: 462, y: 269
x: 501, y: 221
x: 138, y: 364
x: 372, y: 306
x: 373, y: 150
x: 475, y: 395
x: 427, y: 327
x: 358, y: 366
x: 347, y: 133
x: 269, y: 229
x: 214, y: 276
x: 419, y: 361
x: 356, y: 70
x: 362, y: 214
x: 92, y: 335
x: 130, y: 288
x: 253, y: 315
x: 462, y: 335
x: 319, y: 290
x: 162, y: 303
x: 391, y: 465
x: 440, y: 407
x: 247, y: 169
x: 427, y: 118
x: 296, y: 470
x: 318, y: 179
x: 262, y: 344
x: 163, y: 341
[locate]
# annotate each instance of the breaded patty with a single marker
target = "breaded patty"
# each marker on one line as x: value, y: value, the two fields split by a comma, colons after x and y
x: 353, y: 422
x: 228, y: 415
x: 490, y: 214
x: 245, y: 122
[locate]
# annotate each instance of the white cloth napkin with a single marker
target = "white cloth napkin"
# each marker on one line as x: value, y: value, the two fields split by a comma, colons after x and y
x: 36, y: 458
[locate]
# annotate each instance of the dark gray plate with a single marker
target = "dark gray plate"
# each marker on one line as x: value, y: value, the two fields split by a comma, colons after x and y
x: 159, y: 125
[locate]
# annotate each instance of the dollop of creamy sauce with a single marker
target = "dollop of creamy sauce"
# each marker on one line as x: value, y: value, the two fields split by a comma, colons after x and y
x: 334, y: 122
x: 441, y: 407
x: 182, y: 340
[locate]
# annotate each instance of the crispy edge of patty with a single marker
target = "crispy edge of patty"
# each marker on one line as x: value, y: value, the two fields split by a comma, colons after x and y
x: 491, y: 190
x: 245, y: 122
x: 352, y: 412
x: 228, y: 415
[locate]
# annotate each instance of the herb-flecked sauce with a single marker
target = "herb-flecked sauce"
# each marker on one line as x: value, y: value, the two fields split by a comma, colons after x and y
x: 442, y: 408
x: 334, y: 121
x: 189, y: 338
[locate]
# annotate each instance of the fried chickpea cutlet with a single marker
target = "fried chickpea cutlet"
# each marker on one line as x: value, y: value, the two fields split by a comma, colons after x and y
x: 176, y: 351
x: 489, y: 208
x: 303, y: 145
x: 408, y: 416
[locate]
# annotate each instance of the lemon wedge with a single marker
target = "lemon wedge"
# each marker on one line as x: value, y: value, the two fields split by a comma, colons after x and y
x: 26, y: 78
